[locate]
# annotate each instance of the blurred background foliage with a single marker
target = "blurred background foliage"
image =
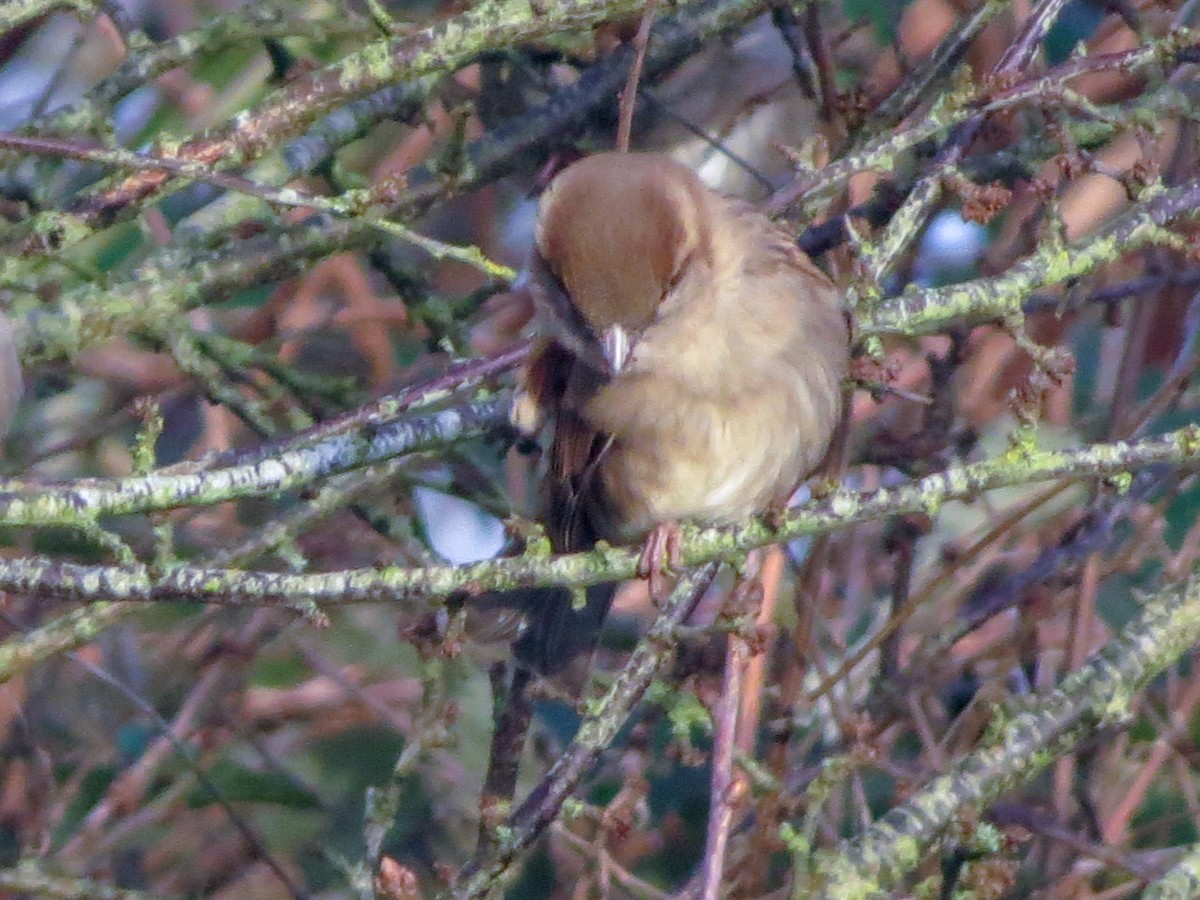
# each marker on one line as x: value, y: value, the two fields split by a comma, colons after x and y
x: 187, y: 751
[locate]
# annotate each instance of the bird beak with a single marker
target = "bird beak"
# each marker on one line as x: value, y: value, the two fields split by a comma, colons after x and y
x: 616, y: 347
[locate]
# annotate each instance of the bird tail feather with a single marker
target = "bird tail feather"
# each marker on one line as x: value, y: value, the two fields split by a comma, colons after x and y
x: 558, y: 640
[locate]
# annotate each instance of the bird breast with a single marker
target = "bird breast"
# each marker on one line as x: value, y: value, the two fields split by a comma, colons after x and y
x: 722, y: 414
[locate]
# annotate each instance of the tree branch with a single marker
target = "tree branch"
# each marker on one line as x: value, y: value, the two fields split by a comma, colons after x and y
x: 1026, y: 738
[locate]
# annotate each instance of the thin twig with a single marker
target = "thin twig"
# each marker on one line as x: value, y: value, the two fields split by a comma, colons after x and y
x: 512, y: 711
x: 724, y: 798
x: 630, y: 93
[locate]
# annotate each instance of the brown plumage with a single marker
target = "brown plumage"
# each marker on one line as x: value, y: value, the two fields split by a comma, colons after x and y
x: 690, y: 368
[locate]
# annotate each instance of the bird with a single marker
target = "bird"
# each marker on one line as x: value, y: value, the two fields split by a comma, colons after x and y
x: 687, y: 368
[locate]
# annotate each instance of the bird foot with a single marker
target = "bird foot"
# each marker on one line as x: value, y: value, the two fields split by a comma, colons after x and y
x: 661, y: 557
x: 775, y: 515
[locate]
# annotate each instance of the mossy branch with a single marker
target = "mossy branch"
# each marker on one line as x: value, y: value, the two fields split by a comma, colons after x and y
x: 1181, y: 881
x: 311, y: 593
x: 17, y: 12
x: 439, y: 49
x: 1000, y: 299
x: 90, y: 313
x: 1030, y: 736
x: 30, y: 879
x: 294, y: 466
x: 882, y: 153
x: 148, y: 60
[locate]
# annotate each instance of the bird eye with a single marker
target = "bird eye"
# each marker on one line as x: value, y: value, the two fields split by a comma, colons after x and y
x: 556, y: 296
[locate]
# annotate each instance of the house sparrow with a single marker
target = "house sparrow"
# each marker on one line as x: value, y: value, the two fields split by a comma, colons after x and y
x: 689, y: 369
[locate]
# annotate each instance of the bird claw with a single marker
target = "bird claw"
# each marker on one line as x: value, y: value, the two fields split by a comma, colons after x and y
x: 775, y: 515
x: 660, y: 558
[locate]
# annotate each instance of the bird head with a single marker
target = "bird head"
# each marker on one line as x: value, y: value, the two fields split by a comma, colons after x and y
x: 616, y: 232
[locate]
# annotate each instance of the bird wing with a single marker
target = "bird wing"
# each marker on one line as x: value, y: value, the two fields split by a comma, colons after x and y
x: 559, y: 383
x: 559, y: 638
